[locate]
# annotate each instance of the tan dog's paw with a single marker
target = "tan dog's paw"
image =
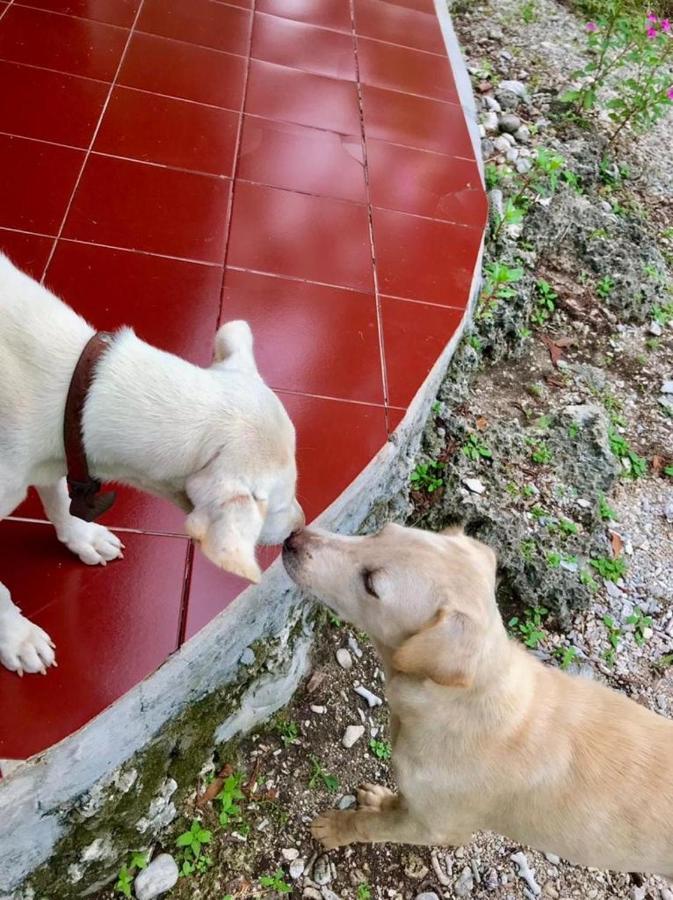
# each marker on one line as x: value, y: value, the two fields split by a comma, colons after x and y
x: 328, y: 829
x: 375, y: 797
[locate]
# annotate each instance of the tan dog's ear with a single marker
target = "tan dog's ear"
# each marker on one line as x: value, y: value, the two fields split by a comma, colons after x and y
x: 444, y: 651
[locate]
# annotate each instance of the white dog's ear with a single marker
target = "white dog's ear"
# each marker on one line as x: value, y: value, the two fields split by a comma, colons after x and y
x: 445, y: 650
x: 233, y: 346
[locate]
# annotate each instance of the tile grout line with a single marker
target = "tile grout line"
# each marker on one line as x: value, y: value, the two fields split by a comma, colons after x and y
x: 93, y: 140
x: 186, y: 589
x: 370, y: 219
x: 237, y: 155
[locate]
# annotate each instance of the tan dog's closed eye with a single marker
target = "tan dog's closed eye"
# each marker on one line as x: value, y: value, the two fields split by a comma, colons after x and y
x: 485, y: 737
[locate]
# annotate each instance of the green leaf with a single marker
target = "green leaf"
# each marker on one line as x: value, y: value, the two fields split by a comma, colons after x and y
x: 184, y: 840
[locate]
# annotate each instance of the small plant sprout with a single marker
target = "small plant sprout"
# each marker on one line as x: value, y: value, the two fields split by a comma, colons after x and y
x: 475, y: 449
x: 276, y: 882
x: 498, y: 278
x: 531, y: 627
x: 587, y: 579
x: 288, y: 731
x: 363, y: 891
x: 380, y: 749
x: 527, y: 550
x: 566, y: 656
x: 128, y: 872
x: 665, y: 661
x: 634, y: 465
x: 642, y: 626
x: 194, y: 839
x: 614, y: 639
x: 427, y: 477
x: 475, y: 342
x: 605, y: 511
x: 319, y: 774
x: 566, y: 526
x: 605, y: 287
x: 609, y: 569
x: 540, y: 453
x: 554, y: 559
x: 437, y: 407
x: 229, y: 798
x: 546, y: 302
x: 573, y: 431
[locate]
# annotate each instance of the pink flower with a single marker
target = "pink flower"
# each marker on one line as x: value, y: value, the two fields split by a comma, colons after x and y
x: 651, y: 17
x: 652, y: 33
x: 591, y: 26
x: 665, y: 25
x: 669, y: 93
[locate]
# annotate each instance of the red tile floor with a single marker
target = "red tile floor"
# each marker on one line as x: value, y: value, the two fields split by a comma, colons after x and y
x: 172, y: 164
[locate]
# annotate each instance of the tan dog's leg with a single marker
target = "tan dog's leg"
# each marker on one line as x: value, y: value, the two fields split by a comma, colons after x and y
x: 381, y: 818
x: 93, y: 543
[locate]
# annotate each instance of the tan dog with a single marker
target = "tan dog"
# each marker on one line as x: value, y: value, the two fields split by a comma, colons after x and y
x: 484, y: 736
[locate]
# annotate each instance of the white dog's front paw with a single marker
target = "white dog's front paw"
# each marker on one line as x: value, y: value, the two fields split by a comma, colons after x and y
x: 94, y: 544
x: 24, y: 647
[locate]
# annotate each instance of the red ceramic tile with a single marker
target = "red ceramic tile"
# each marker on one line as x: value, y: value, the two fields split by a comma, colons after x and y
x: 168, y: 131
x: 64, y: 43
x: 36, y: 182
x: 143, y: 207
x: 111, y: 12
x: 289, y: 95
x: 307, y: 237
x: 49, y: 106
x: 398, y: 25
x: 328, y: 13
x: 426, y: 6
x: 211, y: 589
x: 416, y: 122
x: 425, y: 183
x: 414, y: 335
x: 112, y: 626
x: 302, y: 46
x: 337, y: 356
x: 421, y: 259
x: 29, y: 252
x: 335, y: 441
x: 177, y: 69
x: 302, y: 159
x: 198, y: 22
x: 402, y: 69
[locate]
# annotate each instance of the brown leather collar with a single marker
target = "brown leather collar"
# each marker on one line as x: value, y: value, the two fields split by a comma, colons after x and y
x: 82, y: 487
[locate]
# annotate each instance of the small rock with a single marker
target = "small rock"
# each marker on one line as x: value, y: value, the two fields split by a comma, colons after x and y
x: 487, y: 148
x: 474, y: 485
x: 668, y: 511
x: 511, y: 140
x: 523, y: 166
x: 507, y: 99
x: 665, y: 894
x: 355, y: 647
x: 490, y: 122
x: 371, y: 699
x: 522, y: 135
x: 346, y: 801
x: 509, y: 123
x: 297, y: 867
x: 495, y: 33
x: 667, y: 404
x: 414, y: 867
x: 638, y: 893
x: 550, y: 890
x: 667, y: 387
x: 290, y: 853
x: 319, y: 710
x: 515, y: 87
x: 496, y: 202
x: 327, y: 894
x: 491, y: 880
x: 501, y: 144
x: 511, y: 156
x: 352, y: 735
x: 321, y: 870
x: 247, y: 657
x: 525, y: 872
x: 344, y: 659
x: 492, y: 104
x: 311, y: 893
x: 655, y: 329
x: 613, y: 591
x: 465, y: 883
x: 160, y: 876
x: 553, y: 859
x: 585, y: 504
x: 427, y: 895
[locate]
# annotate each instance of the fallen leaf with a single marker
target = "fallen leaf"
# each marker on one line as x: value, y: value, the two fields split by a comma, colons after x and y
x: 555, y: 350
x: 481, y: 423
x: 316, y: 680
x: 215, y: 786
x: 554, y: 382
x: 657, y: 464
x: 564, y: 341
x: 616, y: 543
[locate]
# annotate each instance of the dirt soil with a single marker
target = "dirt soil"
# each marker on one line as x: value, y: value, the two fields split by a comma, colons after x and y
x: 585, y: 536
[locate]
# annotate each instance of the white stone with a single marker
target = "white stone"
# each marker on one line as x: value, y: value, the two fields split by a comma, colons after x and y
x: 655, y: 329
x: 346, y: 801
x: 490, y: 123
x: 319, y: 710
x: 526, y: 873
x: 344, y: 659
x: 474, y: 485
x: 465, y: 883
x: 352, y: 735
x: 290, y: 853
x: 321, y: 870
x: 371, y: 699
x: 297, y: 867
x: 247, y: 657
x: 667, y: 387
x: 160, y: 876
x: 553, y: 858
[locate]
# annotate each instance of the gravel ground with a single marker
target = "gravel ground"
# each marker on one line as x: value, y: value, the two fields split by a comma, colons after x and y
x: 279, y: 778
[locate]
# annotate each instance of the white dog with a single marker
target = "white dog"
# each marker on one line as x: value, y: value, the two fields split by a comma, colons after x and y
x: 216, y: 441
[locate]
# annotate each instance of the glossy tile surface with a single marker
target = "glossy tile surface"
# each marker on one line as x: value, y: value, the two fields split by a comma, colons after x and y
x: 64, y: 43
x: 150, y: 208
x: 112, y: 626
x: 285, y: 233
x: 338, y: 356
x: 302, y: 159
x: 177, y: 69
x: 143, y: 126
x: 209, y: 161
